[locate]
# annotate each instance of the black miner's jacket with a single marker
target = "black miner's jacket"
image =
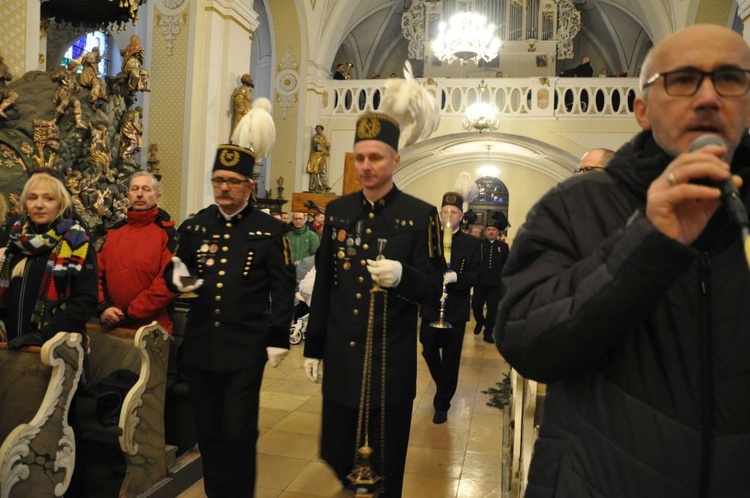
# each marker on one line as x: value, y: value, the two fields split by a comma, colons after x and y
x: 644, y: 342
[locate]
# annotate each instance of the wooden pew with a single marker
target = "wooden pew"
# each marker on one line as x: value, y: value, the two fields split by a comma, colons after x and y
x: 140, y: 431
x: 37, y: 456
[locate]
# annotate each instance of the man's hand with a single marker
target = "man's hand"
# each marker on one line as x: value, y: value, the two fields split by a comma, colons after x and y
x: 449, y: 277
x: 680, y: 209
x: 111, y: 316
x: 180, y: 270
x: 311, y: 366
x: 385, y: 272
x: 276, y: 355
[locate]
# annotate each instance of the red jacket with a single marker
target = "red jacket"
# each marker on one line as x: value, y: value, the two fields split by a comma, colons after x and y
x: 131, y: 268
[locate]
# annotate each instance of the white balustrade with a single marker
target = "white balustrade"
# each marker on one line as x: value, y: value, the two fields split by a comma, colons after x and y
x: 515, y: 98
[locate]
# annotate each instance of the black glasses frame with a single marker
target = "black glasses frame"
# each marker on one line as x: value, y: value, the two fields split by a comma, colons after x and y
x: 711, y: 74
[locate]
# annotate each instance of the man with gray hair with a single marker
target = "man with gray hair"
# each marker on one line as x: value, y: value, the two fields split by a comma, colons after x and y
x: 133, y: 258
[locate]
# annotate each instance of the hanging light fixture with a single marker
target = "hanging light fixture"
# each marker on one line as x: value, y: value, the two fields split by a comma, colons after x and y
x: 481, y: 116
x: 466, y: 36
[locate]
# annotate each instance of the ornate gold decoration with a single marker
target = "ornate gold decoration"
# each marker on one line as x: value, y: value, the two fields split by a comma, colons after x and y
x: 369, y: 127
x: 229, y: 158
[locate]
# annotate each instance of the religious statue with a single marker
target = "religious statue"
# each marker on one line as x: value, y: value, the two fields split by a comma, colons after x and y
x: 131, y: 133
x: 7, y: 97
x: 242, y: 99
x: 132, y: 65
x: 153, y: 160
x: 101, y: 153
x: 280, y: 187
x: 317, y: 163
x: 65, y: 93
x: 90, y: 76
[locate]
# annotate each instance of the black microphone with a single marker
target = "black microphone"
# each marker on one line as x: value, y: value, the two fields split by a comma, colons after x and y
x: 730, y: 196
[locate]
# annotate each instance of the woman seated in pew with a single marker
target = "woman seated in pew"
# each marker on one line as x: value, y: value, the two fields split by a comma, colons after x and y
x: 48, y: 274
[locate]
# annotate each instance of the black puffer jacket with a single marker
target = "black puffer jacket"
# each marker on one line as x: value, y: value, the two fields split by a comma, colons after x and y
x: 644, y: 342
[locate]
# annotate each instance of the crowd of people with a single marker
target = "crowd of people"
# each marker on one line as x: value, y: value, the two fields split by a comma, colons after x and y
x: 624, y: 291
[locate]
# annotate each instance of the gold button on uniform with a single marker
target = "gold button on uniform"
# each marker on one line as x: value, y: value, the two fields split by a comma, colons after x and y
x: 223, y: 260
x: 222, y: 273
x: 368, y: 231
x: 218, y: 298
x: 352, y: 344
x: 226, y: 235
x: 363, y: 262
x: 360, y: 279
x: 219, y: 285
x: 216, y: 324
x: 224, y: 249
x: 355, y: 312
x: 358, y: 295
x: 371, y: 215
x: 217, y: 312
x: 365, y: 246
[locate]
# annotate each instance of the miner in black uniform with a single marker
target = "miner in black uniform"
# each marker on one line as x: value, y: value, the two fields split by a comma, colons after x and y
x: 238, y: 321
x: 493, y: 253
x: 379, y: 235
x: 458, y: 281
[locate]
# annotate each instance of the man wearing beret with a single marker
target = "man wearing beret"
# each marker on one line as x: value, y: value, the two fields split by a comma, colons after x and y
x: 238, y: 320
x: 493, y: 253
x: 458, y: 281
x: 379, y: 236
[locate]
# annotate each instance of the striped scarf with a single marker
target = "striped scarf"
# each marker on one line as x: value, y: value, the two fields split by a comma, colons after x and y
x: 66, y: 243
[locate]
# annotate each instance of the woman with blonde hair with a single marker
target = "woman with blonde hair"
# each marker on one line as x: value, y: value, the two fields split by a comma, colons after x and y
x: 48, y: 274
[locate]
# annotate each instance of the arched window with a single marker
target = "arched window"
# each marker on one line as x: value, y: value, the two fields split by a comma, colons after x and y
x: 84, y: 45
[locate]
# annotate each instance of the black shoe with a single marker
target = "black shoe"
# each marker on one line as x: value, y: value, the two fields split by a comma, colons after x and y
x: 488, y: 337
x: 478, y: 328
x: 440, y: 417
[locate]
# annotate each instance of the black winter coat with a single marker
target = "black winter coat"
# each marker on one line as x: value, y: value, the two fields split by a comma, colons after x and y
x: 643, y: 341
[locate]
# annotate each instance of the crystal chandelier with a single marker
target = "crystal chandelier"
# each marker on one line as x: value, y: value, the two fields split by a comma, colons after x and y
x: 481, y: 116
x: 467, y: 36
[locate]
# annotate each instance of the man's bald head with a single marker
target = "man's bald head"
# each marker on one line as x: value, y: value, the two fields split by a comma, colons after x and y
x: 594, y: 160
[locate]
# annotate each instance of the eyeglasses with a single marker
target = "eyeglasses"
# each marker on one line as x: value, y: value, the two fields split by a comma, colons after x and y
x: 231, y: 182
x: 587, y: 169
x: 728, y: 82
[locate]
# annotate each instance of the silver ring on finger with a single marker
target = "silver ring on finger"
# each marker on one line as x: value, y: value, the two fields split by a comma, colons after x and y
x: 671, y: 179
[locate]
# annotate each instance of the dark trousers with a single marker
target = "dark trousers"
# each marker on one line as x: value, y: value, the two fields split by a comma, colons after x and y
x: 338, y: 442
x: 443, y: 367
x: 489, y: 295
x: 225, y: 406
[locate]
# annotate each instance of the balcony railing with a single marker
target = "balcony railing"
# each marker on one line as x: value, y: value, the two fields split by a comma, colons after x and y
x: 562, y: 98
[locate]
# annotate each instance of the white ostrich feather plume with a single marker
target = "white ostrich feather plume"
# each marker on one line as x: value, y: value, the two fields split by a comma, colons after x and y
x: 409, y: 103
x: 256, y: 130
x: 466, y: 187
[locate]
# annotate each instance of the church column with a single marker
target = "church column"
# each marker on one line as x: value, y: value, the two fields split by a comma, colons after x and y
x: 19, y: 37
x: 217, y: 36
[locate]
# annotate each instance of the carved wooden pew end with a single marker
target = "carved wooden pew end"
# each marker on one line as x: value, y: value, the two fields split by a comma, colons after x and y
x: 140, y: 430
x: 37, y: 455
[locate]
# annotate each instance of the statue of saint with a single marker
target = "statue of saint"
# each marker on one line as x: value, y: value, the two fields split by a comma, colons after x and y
x: 131, y: 133
x: 90, y: 75
x: 317, y: 164
x: 132, y: 65
x: 65, y: 93
x: 7, y: 96
x: 242, y: 98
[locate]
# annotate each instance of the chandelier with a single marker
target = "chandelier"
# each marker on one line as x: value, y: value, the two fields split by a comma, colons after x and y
x: 467, y: 36
x: 481, y: 116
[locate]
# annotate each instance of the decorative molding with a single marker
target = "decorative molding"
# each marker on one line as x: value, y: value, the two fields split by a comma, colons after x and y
x: 413, y: 29
x: 568, y: 26
x: 287, y: 83
x: 170, y: 28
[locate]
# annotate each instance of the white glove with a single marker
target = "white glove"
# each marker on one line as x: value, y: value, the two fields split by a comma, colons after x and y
x: 449, y: 277
x: 311, y: 366
x: 276, y: 355
x: 180, y: 270
x: 385, y: 272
